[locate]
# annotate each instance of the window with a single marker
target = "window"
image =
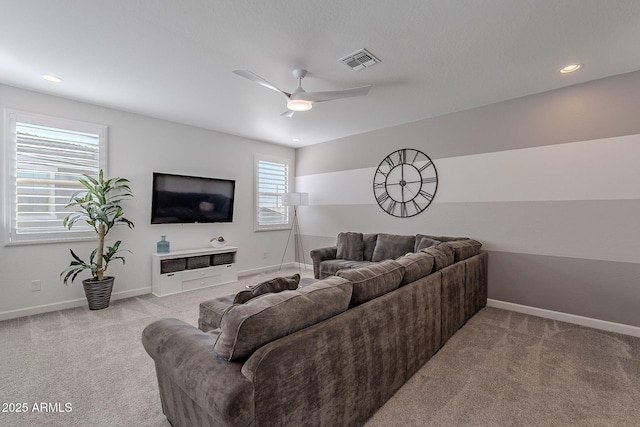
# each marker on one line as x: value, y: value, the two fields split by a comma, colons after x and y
x: 45, y: 157
x: 272, y: 180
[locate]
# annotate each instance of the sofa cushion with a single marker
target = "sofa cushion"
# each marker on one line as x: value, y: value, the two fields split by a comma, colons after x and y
x: 448, y: 250
x: 373, y: 280
x: 392, y: 246
x: 332, y: 266
x: 246, y: 327
x: 369, y: 241
x: 350, y: 246
x: 278, y: 284
x: 463, y: 249
x: 441, y: 257
x: 424, y: 242
x: 417, y: 265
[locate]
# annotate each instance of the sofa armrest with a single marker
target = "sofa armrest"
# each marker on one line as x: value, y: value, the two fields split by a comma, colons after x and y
x: 184, y: 355
x: 322, y: 254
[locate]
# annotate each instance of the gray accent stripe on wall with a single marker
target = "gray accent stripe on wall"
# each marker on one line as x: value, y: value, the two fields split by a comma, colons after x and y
x: 604, y: 290
x: 577, y: 229
x: 598, y: 109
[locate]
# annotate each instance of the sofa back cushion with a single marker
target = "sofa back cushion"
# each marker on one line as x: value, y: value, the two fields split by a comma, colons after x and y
x: 442, y: 256
x: 350, y: 246
x: 392, y: 246
x: 278, y: 284
x: 417, y: 265
x: 374, y: 280
x: 369, y: 241
x: 247, y: 327
x: 463, y: 249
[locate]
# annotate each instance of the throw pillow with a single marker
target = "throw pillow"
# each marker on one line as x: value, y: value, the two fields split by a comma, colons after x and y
x: 424, y: 242
x: 247, y: 327
x: 392, y: 246
x: 440, y: 238
x: 278, y: 284
x: 350, y: 246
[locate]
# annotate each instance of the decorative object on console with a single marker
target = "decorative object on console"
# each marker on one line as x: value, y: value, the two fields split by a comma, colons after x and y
x: 218, y: 242
x: 405, y: 183
x: 163, y: 246
x: 295, y: 200
x: 99, y: 205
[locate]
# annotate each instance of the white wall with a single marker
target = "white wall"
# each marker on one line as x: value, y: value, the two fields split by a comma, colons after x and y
x: 138, y: 146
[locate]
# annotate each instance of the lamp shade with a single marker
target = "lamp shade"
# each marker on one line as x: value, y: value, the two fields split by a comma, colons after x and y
x: 295, y: 199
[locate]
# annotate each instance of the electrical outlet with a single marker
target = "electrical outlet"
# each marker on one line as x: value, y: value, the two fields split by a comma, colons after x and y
x: 264, y: 255
x: 35, y: 285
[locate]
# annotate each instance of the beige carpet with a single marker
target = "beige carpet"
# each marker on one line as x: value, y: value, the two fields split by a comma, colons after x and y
x: 502, y: 368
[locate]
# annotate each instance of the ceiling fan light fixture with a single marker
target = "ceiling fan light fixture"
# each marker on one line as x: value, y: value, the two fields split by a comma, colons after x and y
x: 299, y: 105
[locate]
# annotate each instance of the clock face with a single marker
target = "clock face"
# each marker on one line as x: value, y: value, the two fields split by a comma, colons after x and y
x: 405, y: 183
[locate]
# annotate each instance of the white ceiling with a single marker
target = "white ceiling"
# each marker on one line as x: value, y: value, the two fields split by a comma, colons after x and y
x: 174, y: 59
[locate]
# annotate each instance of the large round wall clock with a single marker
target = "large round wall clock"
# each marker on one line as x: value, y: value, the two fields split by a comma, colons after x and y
x: 405, y: 183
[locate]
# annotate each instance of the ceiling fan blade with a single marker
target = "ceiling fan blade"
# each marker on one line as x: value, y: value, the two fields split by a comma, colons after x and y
x: 288, y: 113
x: 257, y: 79
x: 332, y: 94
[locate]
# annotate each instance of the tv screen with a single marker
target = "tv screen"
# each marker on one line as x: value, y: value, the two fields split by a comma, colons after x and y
x: 179, y: 199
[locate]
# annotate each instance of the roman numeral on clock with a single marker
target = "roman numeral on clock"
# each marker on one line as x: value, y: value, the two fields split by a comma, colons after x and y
x: 426, y: 195
x: 382, y: 198
x: 426, y: 165
x: 392, y: 206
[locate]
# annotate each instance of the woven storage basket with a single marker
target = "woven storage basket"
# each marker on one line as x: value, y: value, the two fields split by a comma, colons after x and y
x: 98, y: 292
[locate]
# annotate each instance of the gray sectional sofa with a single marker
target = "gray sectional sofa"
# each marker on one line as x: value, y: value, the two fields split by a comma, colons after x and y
x: 326, y: 354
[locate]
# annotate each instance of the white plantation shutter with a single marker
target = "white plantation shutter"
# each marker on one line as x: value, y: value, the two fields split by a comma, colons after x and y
x: 47, y: 156
x: 273, y: 177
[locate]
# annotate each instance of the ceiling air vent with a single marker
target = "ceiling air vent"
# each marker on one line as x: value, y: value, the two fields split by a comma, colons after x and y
x: 359, y: 60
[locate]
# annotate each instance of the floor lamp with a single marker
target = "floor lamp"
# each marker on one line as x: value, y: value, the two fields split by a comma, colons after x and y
x: 295, y: 200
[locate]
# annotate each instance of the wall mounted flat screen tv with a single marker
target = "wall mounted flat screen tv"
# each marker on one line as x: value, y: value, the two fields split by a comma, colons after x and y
x: 179, y: 199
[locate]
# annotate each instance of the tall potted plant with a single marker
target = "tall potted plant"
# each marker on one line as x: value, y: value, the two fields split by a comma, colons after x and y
x: 99, y: 205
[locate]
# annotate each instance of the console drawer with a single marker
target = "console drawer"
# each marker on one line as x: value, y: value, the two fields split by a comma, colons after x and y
x: 200, y: 273
x: 188, y: 285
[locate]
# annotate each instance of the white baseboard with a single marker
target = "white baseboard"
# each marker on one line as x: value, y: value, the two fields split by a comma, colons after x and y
x: 569, y: 318
x: 45, y: 308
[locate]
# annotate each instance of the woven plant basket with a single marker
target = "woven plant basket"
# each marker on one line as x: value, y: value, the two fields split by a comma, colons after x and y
x: 98, y: 292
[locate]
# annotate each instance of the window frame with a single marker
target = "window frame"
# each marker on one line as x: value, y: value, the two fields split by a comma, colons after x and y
x: 288, y: 162
x: 10, y: 150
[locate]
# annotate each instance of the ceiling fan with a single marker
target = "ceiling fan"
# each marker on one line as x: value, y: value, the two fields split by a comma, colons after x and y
x: 299, y: 99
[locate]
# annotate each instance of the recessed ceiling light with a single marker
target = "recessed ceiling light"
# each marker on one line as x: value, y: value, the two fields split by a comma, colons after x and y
x: 50, y: 78
x: 570, y: 68
x: 296, y: 140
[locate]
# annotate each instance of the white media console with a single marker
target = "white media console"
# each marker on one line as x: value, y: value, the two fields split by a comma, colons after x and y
x: 185, y: 270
